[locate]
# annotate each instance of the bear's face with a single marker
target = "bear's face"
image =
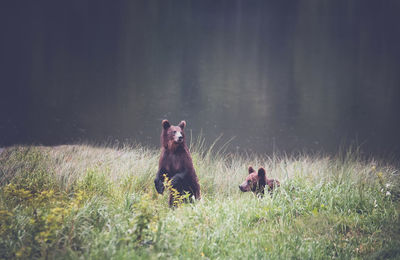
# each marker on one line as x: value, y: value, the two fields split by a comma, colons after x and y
x: 172, y: 136
x: 253, y: 180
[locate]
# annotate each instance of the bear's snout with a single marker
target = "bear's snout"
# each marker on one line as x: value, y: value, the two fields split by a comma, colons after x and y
x: 242, y: 188
x: 178, y: 137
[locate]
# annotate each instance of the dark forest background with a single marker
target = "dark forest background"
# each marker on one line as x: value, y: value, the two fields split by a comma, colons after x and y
x: 282, y: 76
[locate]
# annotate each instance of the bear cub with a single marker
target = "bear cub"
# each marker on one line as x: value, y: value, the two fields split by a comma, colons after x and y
x: 256, y: 182
x: 176, y: 162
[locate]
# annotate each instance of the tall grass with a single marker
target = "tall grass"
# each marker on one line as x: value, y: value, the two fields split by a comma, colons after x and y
x: 81, y: 201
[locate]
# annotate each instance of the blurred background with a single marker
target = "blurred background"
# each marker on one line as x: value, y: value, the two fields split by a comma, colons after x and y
x: 276, y: 76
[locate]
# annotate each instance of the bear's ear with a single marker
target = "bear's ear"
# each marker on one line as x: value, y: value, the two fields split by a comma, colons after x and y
x: 165, y: 124
x: 261, y: 173
x: 251, y: 170
x: 182, y: 124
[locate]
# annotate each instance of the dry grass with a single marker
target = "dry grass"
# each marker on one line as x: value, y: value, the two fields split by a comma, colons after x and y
x: 100, y: 202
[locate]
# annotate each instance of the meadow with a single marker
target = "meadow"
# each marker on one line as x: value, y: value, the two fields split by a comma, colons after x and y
x: 99, y: 202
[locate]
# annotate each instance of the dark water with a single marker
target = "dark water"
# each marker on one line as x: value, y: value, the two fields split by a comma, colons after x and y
x: 277, y: 75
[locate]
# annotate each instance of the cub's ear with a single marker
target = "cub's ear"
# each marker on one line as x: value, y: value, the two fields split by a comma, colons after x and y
x: 261, y: 173
x: 251, y: 170
x: 182, y: 124
x: 165, y: 124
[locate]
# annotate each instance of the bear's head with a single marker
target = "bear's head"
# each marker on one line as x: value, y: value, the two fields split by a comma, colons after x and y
x: 172, y: 136
x: 255, y: 181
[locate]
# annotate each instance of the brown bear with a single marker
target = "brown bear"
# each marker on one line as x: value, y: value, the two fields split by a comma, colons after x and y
x: 256, y: 182
x: 176, y: 162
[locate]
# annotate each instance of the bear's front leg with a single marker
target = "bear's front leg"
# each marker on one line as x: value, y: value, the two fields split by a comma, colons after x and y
x: 177, y: 180
x: 159, y: 181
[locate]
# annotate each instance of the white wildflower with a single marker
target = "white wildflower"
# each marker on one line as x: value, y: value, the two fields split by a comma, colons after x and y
x: 387, y: 185
x: 388, y: 193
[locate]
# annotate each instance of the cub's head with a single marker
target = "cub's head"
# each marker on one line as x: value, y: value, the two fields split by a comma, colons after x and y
x: 255, y: 181
x: 172, y: 136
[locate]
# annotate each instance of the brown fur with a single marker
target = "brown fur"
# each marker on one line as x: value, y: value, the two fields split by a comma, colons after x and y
x: 256, y: 182
x: 175, y: 162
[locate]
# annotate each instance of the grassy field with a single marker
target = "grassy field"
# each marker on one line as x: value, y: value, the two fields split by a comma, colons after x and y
x: 81, y: 201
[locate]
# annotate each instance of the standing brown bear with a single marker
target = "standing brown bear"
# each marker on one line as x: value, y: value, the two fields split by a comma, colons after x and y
x: 176, y: 162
